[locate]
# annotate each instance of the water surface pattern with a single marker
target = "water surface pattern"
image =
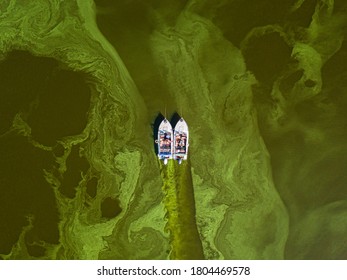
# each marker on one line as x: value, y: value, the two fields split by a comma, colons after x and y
x: 261, y: 84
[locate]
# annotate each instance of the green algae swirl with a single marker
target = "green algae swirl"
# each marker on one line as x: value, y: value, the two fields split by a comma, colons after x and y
x: 263, y: 91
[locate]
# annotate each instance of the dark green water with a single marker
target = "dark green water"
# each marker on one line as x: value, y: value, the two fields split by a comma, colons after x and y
x: 261, y: 84
x: 54, y: 103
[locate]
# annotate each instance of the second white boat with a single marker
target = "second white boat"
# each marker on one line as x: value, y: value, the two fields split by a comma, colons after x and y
x: 181, y: 141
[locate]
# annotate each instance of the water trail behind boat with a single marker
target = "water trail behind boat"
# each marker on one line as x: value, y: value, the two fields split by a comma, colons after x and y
x: 180, y: 205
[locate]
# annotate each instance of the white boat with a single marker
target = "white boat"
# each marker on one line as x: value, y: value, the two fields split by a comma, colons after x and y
x: 181, y: 137
x: 165, y: 141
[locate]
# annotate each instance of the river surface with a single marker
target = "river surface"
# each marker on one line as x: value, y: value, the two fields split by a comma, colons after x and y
x: 262, y: 85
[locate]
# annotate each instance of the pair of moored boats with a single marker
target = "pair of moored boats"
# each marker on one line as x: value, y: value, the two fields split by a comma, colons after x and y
x: 173, y: 143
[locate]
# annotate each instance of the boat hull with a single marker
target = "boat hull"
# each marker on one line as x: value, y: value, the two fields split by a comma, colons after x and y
x: 181, y: 141
x: 165, y: 141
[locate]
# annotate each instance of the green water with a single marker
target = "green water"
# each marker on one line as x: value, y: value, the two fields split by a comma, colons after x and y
x: 261, y: 84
